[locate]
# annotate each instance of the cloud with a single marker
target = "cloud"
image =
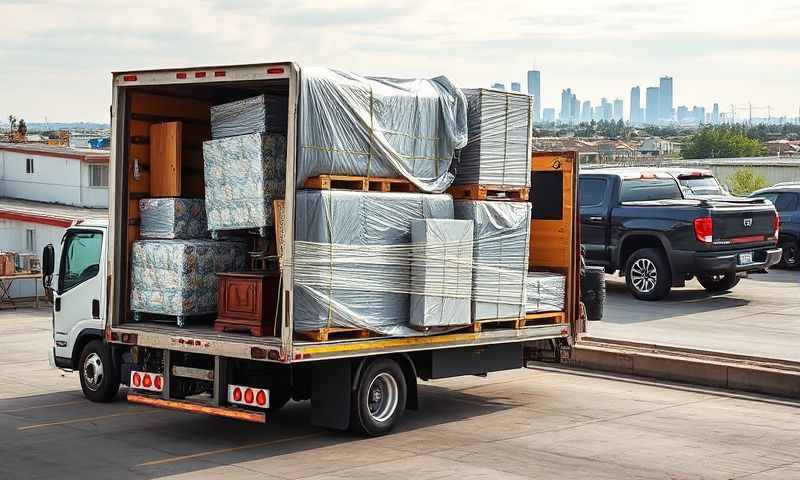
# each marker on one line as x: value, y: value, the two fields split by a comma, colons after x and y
x: 57, y: 55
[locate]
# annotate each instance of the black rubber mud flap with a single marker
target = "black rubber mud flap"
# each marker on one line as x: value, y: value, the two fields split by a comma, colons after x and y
x: 331, y: 394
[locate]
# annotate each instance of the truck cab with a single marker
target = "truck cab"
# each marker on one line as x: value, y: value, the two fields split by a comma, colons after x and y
x: 77, y: 281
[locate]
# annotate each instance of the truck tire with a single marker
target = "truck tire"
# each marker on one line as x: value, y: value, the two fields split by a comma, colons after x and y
x: 647, y: 274
x: 791, y: 255
x: 98, y: 372
x: 379, y: 400
x: 593, y: 292
x: 718, y: 283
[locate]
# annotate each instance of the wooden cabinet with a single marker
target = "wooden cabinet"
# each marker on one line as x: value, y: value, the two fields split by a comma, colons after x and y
x: 248, y: 301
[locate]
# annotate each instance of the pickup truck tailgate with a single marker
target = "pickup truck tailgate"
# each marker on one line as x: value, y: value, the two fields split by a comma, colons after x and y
x: 743, y: 224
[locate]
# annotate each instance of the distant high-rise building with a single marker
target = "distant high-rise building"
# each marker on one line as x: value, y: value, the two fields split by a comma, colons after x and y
x: 586, y: 111
x: 576, y: 109
x: 665, y: 99
x: 651, y: 105
x: 683, y: 114
x: 569, y: 106
x: 598, y: 113
x: 549, y: 115
x: 715, y: 114
x: 535, y: 89
x: 698, y: 114
x: 618, y: 109
x: 516, y: 87
x: 636, y: 109
x: 499, y: 86
x: 606, y: 109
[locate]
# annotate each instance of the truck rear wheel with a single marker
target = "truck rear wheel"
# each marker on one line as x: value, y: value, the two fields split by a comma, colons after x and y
x: 718, y: 283
x: 647, y: 274
x: 791, y: 255
x: 379, y: 399
x: 99, y: 375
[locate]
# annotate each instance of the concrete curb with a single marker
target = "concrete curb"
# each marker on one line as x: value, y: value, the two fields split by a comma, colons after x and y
x: 699, y: 368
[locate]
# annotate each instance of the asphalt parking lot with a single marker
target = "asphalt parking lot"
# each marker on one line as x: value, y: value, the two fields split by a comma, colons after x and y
x: 760, y: 316
x: 541, y: 422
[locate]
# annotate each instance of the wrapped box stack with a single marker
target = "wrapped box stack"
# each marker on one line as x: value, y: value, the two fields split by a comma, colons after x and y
x: 245, y: 167
x: 499, y: 150
x: 441, y: 272
x: 353, y: 256
x: 545, y: 292
x: 500, y: 256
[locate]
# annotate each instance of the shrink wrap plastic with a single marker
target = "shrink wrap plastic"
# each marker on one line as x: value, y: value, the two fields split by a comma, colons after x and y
x: 499, y: 147
x: 380, y: 127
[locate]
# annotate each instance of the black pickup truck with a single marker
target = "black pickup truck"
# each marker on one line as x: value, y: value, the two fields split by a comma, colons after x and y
x: 637, y: 221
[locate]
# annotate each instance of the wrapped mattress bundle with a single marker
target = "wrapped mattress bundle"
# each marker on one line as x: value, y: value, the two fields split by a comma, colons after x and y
x: 172, y: 218
x: 500, y: 256
x: 380, y: 127
x: 499, y: 147
x: 441, y: 270
x: 264, y: 113
x: 352, y: 257
x: 243, y: 174
x: 545, y: 292
x: 177, y: 277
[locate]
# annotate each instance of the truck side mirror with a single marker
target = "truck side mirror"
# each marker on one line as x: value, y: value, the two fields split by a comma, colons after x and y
x: 48, y: 265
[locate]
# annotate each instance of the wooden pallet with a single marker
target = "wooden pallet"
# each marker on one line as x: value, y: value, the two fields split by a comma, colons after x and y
x: 489, y: 192
x: 359, y: 183
x: 529, y: 320
x: 333, y: 333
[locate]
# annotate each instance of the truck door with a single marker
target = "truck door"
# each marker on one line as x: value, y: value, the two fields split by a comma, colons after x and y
x: 79, y: 296
x: 595, y: 221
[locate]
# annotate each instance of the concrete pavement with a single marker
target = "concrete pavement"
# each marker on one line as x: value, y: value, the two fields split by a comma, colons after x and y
x: 541, y: 422
x: 760, y: 316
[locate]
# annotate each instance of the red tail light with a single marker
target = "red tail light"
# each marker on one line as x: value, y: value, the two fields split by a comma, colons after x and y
x: 180, y: 75
x: 248, y: 396
x: 275, y: 70
x: 147, y: 382
x: 704, y: 229
x: 776, y: 222
x: 129, y: 78
x: 237, y: 394
x: 157, y: 382
x: 137, y: 380
x: 261, y: 398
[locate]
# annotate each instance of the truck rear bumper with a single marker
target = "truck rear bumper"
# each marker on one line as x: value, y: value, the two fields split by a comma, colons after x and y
x: 727, y: 261
x: 234, y: 413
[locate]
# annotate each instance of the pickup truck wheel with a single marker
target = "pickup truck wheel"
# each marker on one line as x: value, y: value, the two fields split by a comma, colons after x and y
x: 380, y: 398
x: 647, y: 274
x: 791, y: 255
x: 99, y: 376
x: 718, y: 283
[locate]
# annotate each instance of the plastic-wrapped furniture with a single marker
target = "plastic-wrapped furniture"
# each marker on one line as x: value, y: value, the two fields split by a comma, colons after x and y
x: 170, y: 218
x: 178, y: 277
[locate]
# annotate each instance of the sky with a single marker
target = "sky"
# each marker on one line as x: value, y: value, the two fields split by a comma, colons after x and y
x: 56, y: 56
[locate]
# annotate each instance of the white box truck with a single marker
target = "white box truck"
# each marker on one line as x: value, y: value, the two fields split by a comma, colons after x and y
x: 361, y: 383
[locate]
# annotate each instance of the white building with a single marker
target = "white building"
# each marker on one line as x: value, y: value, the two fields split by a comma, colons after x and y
x: 43, y: 190
x: 46, y: 173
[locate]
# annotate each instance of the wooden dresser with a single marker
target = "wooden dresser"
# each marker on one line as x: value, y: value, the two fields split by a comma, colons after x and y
x: 248, y: 301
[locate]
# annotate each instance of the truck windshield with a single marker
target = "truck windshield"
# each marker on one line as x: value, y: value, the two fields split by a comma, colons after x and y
x: 638, y: 190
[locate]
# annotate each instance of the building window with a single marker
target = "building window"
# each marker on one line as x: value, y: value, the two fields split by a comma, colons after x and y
x: 28, y: 165
x: 98, y: 175
x: 30, y: 239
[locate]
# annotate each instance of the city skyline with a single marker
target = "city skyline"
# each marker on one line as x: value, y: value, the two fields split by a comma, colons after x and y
x: 58, y: 55
x: 662, y: 106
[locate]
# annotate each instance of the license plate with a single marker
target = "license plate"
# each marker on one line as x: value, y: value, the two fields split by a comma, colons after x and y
x: 745, y: 258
